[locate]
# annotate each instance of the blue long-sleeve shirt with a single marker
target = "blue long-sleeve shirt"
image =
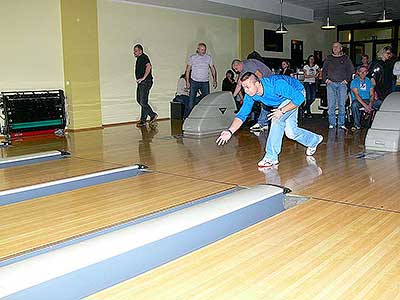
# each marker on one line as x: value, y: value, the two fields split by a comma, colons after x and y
x: 277, y: 88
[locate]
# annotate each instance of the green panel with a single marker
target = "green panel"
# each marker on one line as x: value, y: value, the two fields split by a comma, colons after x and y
x: 36, y: 124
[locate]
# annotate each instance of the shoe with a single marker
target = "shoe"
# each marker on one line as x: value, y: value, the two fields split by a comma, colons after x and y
x: 140, y: 124
x: 265, y: 127
x: 256, y: 133
x: 355, y: 128
x: 255, y: 127
x: 264, y: 163
x: 343, y: 127
x: 331, y: 126
x: 311, y: 150
x: 311, y: 161
x: 309, y: 116
x: 153, y: 119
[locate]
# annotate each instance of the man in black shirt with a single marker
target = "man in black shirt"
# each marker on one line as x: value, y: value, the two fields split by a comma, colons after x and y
x: 144, y: 81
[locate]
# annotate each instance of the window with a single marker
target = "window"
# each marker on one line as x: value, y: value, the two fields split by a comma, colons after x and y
x: 373, y: 34
x: 344, y: 36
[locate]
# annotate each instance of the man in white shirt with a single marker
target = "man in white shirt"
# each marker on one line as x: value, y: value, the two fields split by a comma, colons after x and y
x: 197, y: 77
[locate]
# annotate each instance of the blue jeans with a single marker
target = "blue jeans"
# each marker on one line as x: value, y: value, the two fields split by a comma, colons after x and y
x: 355, y: 110
x: 263, y: 117
x: 195, y: 86
x: 311, y: 89
x: 337, y: 93
x: 287, y: 124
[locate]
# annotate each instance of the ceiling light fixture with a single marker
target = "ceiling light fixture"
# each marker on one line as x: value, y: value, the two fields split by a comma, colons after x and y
x: 281, y: 29
x: 328, y: 25
x: 384, y: 19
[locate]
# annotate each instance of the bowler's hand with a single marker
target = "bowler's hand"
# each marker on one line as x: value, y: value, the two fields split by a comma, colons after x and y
x: 139, y: 80
x: 214, y: 84
x: 367, y: 108
x: 276, y: 114
x: 224, y: 137
x: 188, y: 85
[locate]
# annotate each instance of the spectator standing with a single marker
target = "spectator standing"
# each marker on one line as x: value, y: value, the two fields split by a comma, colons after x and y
x: 381, y: 71
x: 197, y: 76
x: 337, y: 72
x: 144, y: 79
x: 311, y: 72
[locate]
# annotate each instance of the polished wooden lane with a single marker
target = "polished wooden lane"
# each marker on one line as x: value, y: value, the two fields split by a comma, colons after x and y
x: 295, y: 255
x: 318, y: 250
x: 43, y: 221
x: 336, y: 174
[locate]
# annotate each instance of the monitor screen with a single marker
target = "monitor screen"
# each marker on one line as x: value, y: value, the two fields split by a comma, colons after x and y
x: 273, y: 41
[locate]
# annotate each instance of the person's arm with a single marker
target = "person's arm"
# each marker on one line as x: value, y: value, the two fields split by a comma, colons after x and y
x: 258, y: 74
x: 237, y: 122
x: 214, y: 75
x: 187, y: 75
x: 146, y: 73
x: 359, y: 99
x: 371, y: 97
x: 238, y: 88
x: 305, y: 73
x: 227, y: 134
x: 350, y: 71
x: 325, y: 72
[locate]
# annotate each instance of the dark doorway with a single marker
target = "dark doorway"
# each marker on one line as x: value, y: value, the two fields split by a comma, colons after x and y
x: 297, y: 53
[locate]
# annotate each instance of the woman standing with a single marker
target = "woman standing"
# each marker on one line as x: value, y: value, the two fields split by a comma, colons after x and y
x: 311, y: 72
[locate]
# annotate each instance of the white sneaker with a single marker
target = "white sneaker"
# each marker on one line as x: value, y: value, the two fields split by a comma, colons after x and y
x: 343, y: 127
x: 311, y: 150
x: 256, y: 127
x: 264, y: 163
x: 331, y: 126
x: 265, y: 127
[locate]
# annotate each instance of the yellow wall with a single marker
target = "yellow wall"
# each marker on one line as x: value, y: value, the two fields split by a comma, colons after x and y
x: 168, y: 37
x: 81, y: 62
x: 246, y: 37
x: 31, y: 48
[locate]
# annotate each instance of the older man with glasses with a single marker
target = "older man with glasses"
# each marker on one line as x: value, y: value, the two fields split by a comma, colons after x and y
x: 337, y: 72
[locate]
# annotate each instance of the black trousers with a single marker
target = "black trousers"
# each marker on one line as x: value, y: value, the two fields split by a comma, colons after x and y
x: 142, y: 97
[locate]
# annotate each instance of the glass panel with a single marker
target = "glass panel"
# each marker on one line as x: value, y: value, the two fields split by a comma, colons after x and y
x: 345, y: 36
x: 346, y: 49
x: 359, y: 50
x: 368, y: 51
x: 373, y: 34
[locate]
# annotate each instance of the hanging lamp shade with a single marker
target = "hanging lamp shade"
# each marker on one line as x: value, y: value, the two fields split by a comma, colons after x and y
x: 328, y: 25
x: 281, y: 29
x: 384, y: 19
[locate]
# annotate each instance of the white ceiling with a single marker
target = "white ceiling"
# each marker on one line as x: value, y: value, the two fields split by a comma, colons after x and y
x: 294, y: 11
x: 372, y: 10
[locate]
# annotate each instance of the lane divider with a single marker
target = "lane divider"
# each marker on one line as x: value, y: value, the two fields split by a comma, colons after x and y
x: 92, y: 265
x: 67, y: 184
x: 32, y: 158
